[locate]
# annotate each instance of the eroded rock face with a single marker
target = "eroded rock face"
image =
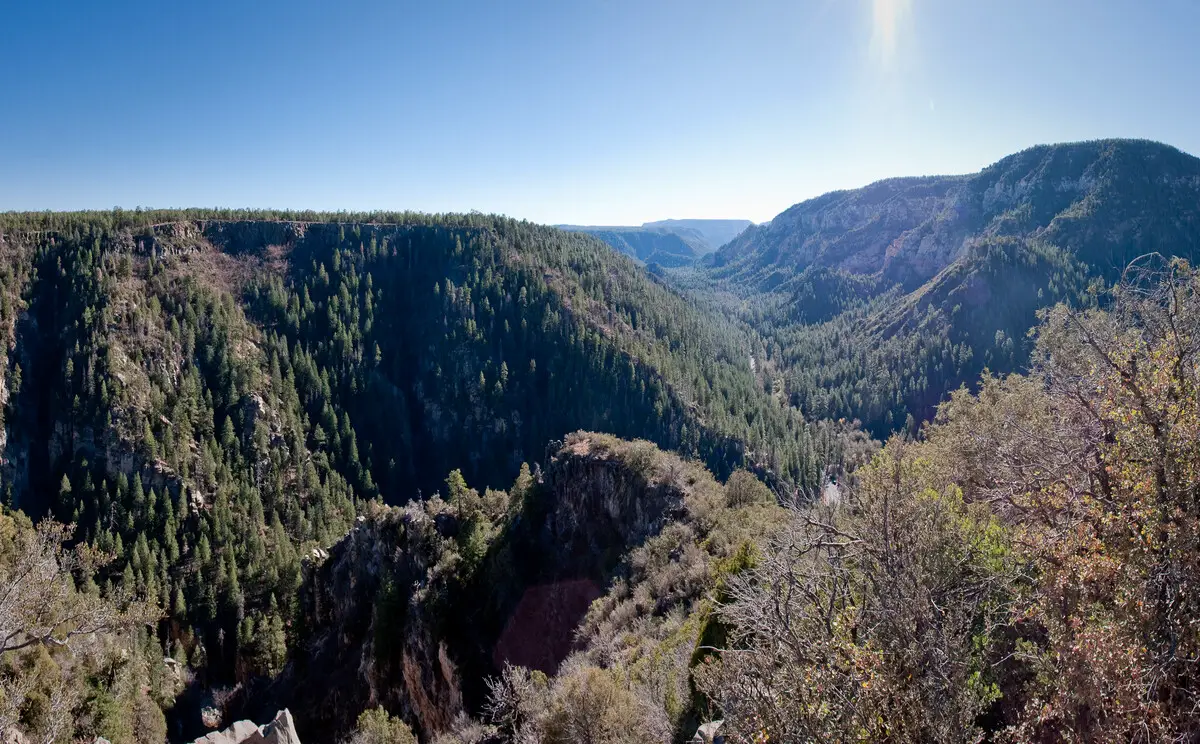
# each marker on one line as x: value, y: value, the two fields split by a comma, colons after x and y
x: 247, y: 236
x: 540, y: 632
x: 907, y: 230
x: 281, y: 730
x: 709, y: 733
x: 856, y: 231
x: 367, y: 638
x: 601, y: 506
x: 385, y: 623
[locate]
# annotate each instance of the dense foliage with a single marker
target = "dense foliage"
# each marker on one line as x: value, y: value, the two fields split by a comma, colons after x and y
x: 874, y: 304
x: 467, y: 350
x: 222, y: 403
x: 71, y: 660
x: 213, y: 401
x: 1024, y: 573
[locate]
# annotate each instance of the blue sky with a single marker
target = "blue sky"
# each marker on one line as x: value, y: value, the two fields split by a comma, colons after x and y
x: 561, y: 111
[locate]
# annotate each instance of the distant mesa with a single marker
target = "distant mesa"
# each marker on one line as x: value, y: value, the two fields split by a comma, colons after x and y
x: 669, y: 243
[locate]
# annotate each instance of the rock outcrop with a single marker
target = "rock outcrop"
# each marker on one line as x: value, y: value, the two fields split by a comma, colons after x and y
x: 907, y: 230
x: 368, y: 636
x: 709, y: 733
x: 281, y: 730
x: 390, y: 618
x: 603, y: 504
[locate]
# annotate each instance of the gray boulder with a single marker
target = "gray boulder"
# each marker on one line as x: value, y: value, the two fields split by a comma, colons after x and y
x: 709, y: 733
x: 282, y: 730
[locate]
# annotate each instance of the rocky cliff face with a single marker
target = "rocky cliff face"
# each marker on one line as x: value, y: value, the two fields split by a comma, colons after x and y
x: 603, y: 504
x: 381, y: 616
x: 600, y: 499
x: 608, y: 536
x: 908, y: 230
x: 369, y: 630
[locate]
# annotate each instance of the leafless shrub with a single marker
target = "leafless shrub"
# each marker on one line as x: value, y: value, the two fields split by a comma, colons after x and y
x: 862, y: 618
x: 41, y: 608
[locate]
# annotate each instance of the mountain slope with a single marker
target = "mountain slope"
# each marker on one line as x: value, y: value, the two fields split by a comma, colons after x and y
x: 663, y: 247
x: 449, y: 325
x: 213, y: 397
x: 416, y: 607
x: 715, y: 233
x: 669, y: 243
x: 882, y: 299
x: 1106, y: 202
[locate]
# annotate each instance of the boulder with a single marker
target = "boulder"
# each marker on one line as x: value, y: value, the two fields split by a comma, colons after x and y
x: 709, y: 733
x: 282, y: 730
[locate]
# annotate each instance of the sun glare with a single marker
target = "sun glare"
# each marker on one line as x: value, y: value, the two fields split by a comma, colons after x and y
x: 886, y: 18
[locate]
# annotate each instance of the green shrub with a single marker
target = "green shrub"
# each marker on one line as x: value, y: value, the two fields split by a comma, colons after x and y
x: 743, y: 489
x: 376, y: 726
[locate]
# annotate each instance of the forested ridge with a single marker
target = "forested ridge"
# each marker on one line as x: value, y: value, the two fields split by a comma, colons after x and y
x: 467, y: 479
x: 873, y: 304
x: 209, y: 400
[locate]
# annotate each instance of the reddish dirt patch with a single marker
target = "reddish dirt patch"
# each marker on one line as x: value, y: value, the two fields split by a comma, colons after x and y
x: 541, y: 630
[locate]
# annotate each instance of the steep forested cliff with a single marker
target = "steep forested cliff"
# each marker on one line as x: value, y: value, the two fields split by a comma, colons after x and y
x: 600, y: 564
x: 877, y: 302
x: 281, y: 440
x: 213, y: 397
